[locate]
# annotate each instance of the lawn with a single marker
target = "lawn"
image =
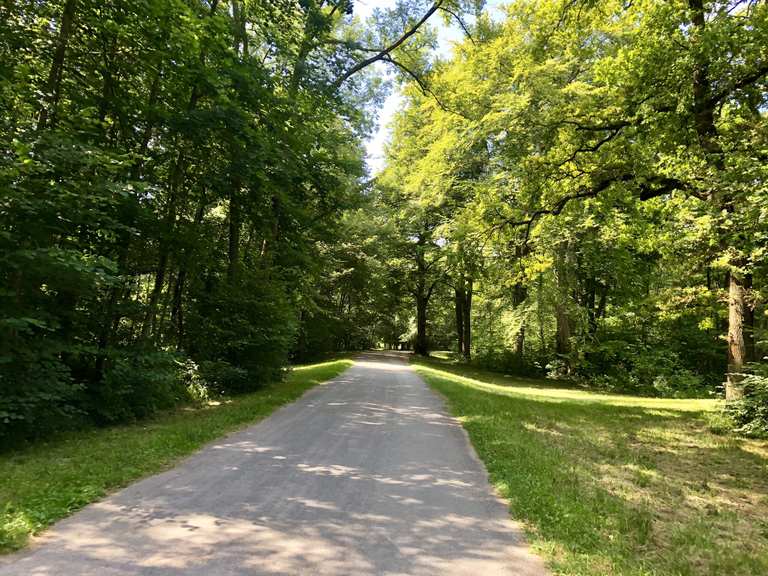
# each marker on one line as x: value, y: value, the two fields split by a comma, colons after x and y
x: 52, y: 479
x: 611, y: 484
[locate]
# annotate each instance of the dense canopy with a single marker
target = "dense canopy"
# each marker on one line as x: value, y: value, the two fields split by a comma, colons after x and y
x: 578, y: 191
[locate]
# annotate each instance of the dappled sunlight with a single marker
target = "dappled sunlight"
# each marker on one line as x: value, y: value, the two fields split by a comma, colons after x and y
x: 638, y: 475
x: 317, y: 536
x: 554, y: 394
x: 366, y: 475
x: 381, y: 365
x: 329, y: 364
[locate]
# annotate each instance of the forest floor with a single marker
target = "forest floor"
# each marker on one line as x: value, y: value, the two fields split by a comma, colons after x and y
x: 50, y: 480
x: 615, y: 484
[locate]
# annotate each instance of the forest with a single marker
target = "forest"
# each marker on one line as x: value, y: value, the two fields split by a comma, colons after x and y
x: 564, y: 250
x: 577, y: 192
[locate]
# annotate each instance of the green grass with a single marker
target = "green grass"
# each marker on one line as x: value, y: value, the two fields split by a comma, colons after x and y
x: 52, y: 479
x: 615, y: 485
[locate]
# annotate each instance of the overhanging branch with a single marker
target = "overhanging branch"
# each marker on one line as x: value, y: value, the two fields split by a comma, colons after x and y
x: 384, y: 52
x: 649, y: 188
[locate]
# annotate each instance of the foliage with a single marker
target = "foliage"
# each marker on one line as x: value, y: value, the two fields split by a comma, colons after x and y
x: 135, y: 386
x: 175, y: 191
x: 750, y: 414
x: 590, y: 180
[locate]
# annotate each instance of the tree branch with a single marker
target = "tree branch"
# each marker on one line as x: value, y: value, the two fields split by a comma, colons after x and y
x: 460, y: 21
x: 743, y: 82
x: 652, y: 188
x: 385, y: 51
x: 426, y: 90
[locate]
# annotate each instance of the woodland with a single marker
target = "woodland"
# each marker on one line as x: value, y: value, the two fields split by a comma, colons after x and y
x: 578, y: 191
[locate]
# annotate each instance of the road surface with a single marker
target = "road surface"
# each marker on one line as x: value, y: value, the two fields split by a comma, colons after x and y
x: 366, y: 474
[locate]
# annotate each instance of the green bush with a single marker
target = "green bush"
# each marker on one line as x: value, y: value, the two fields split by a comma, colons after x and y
x: 242, y: 335
x: 506, y: 361
x: 196, y: 386
x: 134, y: 385
x: 750, y: 415
x: 621, y: 367
x: 225, y: 378
x: 37, y: 392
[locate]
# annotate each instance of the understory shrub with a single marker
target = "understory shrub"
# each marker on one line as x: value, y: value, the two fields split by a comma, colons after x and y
x: 224, y: 378
x: 750, y: 415
x: 242, y: 335
x: 506, y: 361
x: 134, y: 385
x: 198, y: 389
x: 618, y: 366
x: 37, y: 391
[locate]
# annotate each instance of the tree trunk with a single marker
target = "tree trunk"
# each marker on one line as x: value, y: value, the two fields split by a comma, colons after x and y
x: 562, y: 316
x: 53, y: 85
x: 420, y: 346
x: 520, y: 344
x: 422, y: 294
x: 164, y: 245
x: 176, y: 185
x: 737, y: 350
x: 460, y: 317
x: 750, y: 351
x: 468, y: 319
x: 706, y: 131
x: 519, y: 295
x: 540, y: 318
x: 234, y: 234
x: 563, y: 341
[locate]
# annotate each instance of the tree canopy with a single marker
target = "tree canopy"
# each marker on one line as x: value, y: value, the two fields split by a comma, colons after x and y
x: 578, y: 191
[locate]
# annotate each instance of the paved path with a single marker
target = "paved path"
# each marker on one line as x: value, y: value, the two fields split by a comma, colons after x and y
x: 364, y: 475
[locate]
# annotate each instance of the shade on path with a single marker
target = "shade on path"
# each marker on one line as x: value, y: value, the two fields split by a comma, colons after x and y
x: 366, y: 474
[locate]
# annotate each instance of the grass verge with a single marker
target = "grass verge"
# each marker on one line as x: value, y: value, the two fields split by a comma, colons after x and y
x: 50, y: 480
x: 615, y: 485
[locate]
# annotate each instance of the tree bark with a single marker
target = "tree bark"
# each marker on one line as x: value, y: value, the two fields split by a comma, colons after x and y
x: 750, y: 351
x: 234, y: 234
x: 540, y: 317
x: 519, y: 296
x: 177, y: 308
x: 562, y: 316
x: 176, y: 185
x: 164, y: 250
x: 460, y: 317
x: 706, y: 131
x: 420, y: 346
x: 468, y: 287
x: 737, y: 350
x: 53, y: 85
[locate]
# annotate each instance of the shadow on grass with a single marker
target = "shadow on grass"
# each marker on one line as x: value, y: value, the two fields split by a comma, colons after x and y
x: 611, y: 489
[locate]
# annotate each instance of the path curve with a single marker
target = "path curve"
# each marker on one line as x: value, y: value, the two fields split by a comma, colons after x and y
x: 366, y: 474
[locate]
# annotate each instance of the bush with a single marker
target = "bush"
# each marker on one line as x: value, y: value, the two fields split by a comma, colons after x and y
x: 242, y: 335
x: 750, y: 415
x: 197, y: 387
x: 37, y: 392
x: 135, y: 385
x: 618, y: 366
x: 506, y: 361
x: 225, y: 378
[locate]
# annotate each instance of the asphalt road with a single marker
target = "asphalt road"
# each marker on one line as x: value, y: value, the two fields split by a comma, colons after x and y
x: 364, y: 475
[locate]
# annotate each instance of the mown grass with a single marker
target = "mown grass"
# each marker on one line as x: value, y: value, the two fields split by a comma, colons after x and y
x: 50, y: 480
x: 615, y: 485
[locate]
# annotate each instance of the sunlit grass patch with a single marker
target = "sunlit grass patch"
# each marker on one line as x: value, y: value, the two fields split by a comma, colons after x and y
x: 551, y: 391
x: 614, y: 484
x: 52, y: 479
